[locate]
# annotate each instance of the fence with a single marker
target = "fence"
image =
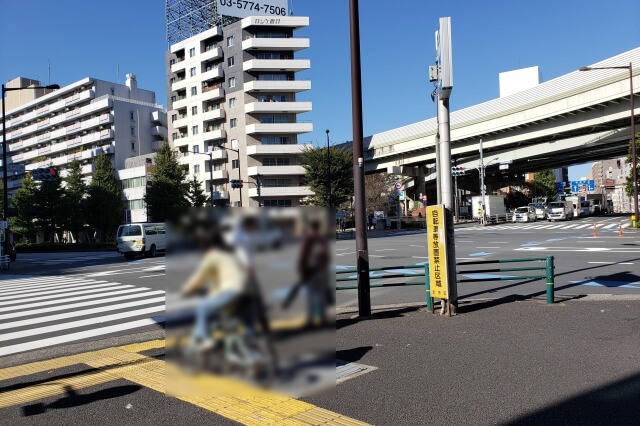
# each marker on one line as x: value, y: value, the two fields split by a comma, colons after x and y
x: 410, y: 271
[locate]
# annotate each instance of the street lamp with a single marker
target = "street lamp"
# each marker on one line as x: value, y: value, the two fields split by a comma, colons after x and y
x: 5, y: 193
x: 239, y: 176
x: 634, y: 161
x: 329, y: 170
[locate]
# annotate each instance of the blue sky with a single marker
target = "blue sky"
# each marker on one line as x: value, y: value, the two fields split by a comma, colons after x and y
x: 89, y: 38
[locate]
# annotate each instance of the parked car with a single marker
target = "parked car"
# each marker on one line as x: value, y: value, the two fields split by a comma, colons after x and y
x: 524, y: 214
x: 541, y: 211
x: 141, y: 238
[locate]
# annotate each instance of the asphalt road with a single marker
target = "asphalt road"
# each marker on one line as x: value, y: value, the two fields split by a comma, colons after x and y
x: 584, y: 264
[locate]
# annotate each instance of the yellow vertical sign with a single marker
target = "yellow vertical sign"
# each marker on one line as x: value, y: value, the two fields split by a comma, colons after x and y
x: 437, y: 247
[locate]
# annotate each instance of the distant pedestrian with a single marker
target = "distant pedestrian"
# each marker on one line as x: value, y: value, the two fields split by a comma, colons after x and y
x: 370, y: 224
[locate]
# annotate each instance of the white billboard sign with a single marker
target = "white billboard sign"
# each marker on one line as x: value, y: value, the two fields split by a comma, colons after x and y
x: 244, y: 8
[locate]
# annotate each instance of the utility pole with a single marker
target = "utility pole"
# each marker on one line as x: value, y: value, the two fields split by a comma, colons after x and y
x: 482, y: 194
x: 329, y: 171
x: 364, y: 296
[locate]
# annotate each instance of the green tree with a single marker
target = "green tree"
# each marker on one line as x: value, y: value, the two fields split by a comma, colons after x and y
x: 322, y: 176
x: 545, y: 184
x: 75, y: 194
x: 24, y: 201
x: 629, y: 185
x: 50, y: 208
x: 166, y: 194
x: 104, y: 205
x: 195, y: 193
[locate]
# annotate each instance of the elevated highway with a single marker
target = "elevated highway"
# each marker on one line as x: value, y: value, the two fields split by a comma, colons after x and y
x: 575, y: 118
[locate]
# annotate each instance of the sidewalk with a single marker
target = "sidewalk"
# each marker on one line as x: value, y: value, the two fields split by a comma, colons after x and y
x: 575, y: 362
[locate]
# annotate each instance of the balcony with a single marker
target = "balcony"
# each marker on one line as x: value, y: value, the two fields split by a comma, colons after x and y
x: 275, y: 44
x: 277, y: 149
x: 182, y: 121
x: 79, y: 97
x: 220, y: 195
x: 178, y: 65
x: 180, y: 102
x: 281, y: 191
x: 211, y: 54
x: 178, y: 84
x: 106, y: 134
x: 219, y: 154
x: 287, y: 107
x: 276, y: 86
x: 219, y: 175
x: 159, y: 117
x: 105, y: 118
x: 212, y: 74
x: 42, y: 110
x: 159, y: 132
x: 155, y: 145
x: 212, y: 92
x: 293, y: 65
x: 276, y: 170
x: 215, y: 134
x: 214, y: 114
x: 87, y: 169
x: 279, y: 128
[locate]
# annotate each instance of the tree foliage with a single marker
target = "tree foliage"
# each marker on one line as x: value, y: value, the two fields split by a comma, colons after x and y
x: 24, y: 202
x: 331, y: 181
x: 376, y: 190
x: 195, y: 193
x: 104, y: 203
x: 545, y: 184
x: 629, y: 185
x: 50, y: 209
x: 75, y: 194
x: 167, y: 192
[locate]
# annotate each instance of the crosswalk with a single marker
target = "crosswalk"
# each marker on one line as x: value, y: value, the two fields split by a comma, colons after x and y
x: 62, y: 259
x: 607, y: 226
x: 45, y: 311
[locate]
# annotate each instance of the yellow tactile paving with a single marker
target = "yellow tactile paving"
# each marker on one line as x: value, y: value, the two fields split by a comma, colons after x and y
x: 226, y: 397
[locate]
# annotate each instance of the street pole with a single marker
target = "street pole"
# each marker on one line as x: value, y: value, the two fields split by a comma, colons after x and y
x: 445, y: 152
x: 239, y: 175
x: 482, y: 221
x: 329, y: 170
x: 437, y: 142
x: 259, y: 187
x: 211, y: 178
x: 634, y: 159
x: 364, y: 296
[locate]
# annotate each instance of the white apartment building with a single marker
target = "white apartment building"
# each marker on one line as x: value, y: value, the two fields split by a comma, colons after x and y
x: 233, y: 95
x: 81, y: 120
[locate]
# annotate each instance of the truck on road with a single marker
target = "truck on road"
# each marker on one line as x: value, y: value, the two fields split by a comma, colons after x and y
x: 493, y: 206
x: 560, y: 210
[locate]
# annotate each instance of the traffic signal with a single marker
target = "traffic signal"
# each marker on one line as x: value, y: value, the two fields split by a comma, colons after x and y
x: 457, y: 171
x: 236, y: 183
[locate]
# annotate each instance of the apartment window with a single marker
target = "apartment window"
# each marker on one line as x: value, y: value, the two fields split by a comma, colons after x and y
x: 229, y: 41
x: 174, y: 117
x: 113, y: 91
x: 234, y: 143
x: 234, y: 164
x: 196, y: 148
x: 133, y: 146
x: 194, y: 110
x: 133, y: 131
x: 232, y: 82
x: 192, y: 72
x: 131, y: 114
x: 196, y: 169
x: 192, y: 52
x: 233, y: 122
x: 194, y: 91
x: 276, y: 182
x: 277, y: 203
x: 232, y: 103
x: 276, y: 161
x: 276, y: 140
x: 231, y: 61
x: 194, y: 130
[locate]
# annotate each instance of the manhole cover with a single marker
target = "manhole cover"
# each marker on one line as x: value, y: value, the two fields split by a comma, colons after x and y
x: 349, y: 370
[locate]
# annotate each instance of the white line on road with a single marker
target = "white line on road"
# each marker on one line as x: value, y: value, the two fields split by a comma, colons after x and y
x: 419, y: 257
x: 613, y: 263
x: 8, y: 350
x: 77, y: 324
x: 488, y: 247
x: 116, y: 286
x: 27, y: 294
x: 68, y: 315
x: 29, y: 288
x: 390, y: 249
x: 151, y: 276
x: 414, y: 245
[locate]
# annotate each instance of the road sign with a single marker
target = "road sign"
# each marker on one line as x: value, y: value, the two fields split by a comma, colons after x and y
x: 4, y: 224
x: 341, y: 214
x: 398, y: 185
x: 242, y: 9
x: 560, y: 187
x: 437, y: 247
x: 401, y: 195
x: 576, y: 184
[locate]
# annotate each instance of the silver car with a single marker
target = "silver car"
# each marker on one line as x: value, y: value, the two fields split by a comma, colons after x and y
x: 524, y: 214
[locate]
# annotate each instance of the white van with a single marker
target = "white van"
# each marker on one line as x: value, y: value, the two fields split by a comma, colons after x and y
x: 560, y: 210
x: 141, y: 238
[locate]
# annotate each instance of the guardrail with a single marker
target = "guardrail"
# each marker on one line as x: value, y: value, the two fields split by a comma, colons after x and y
x: 422, y: 271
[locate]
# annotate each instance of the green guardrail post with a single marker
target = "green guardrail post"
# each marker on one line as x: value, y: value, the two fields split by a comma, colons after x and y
x: 550, y: 280
x: 427, y: 285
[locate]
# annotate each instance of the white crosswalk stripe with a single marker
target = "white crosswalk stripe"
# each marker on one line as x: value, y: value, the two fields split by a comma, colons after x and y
x: 550, y: 226
x: 40, y: 312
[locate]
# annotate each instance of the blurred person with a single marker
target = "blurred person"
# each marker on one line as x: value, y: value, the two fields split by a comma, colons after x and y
x: 313, y: 267
x: 222, y: 276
